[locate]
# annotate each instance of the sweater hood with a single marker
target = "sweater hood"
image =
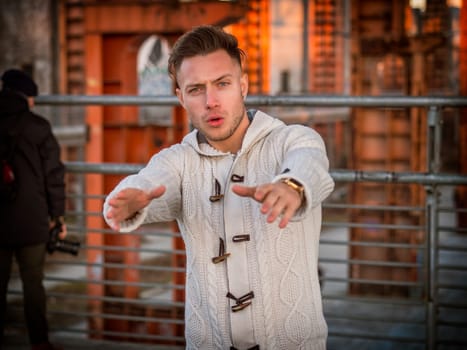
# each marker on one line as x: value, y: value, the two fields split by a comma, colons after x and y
x: 261, y: 124
x: 12, y: 104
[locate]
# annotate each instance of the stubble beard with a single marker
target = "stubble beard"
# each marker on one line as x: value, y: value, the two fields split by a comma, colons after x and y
x: 236, y: 121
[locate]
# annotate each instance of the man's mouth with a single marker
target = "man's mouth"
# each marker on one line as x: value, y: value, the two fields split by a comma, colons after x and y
x: 215, y: 121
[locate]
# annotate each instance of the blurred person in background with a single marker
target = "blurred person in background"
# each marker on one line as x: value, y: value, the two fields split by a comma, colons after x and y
x: 35, y: 203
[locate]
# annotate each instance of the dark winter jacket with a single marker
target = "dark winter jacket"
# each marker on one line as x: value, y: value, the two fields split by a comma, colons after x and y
x: 40, y: 175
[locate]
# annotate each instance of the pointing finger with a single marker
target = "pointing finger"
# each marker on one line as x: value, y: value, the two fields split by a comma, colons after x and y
x: 244, y: 191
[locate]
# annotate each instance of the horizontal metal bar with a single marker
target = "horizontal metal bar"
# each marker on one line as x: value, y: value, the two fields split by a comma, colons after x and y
x: 456, y: 305
x: 452, y: 286
x: 102, y: 168
x: 19, y: 327
x: 116, y: 283
x: 125, y: 335
x: 452, y: 267
x: 349, y: 317
x: 375, y: 300
x: 337, y: 175
x: 370, y: 244
x: 384, y: 337
x: 452, y: 229
x: 448, y: 343
x: 370, y: 263
x: 371, y: 207
x: 377, y: 282
x: 456, y: 324
x: 374, y: 226
x: 85, y: 195
x: 131, y: 249
x: 116, y: 266
x: 452, y: 248
x: 151, y: 302
x: 113, y: 248
x: 263, y: 100
x: 451, y: 209
x: 142, y: 232
x: 120, y: 317
x: 398, y: 177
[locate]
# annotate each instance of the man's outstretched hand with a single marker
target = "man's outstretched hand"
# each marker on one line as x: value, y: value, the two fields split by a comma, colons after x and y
x: 276, y: 198
x: 126, y: 203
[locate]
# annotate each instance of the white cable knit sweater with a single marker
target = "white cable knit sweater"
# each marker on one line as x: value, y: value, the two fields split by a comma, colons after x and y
x: 273, y: 269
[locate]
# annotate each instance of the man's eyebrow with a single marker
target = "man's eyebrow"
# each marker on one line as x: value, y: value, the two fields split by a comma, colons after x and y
x: 194, y: 85
x: 228, y: 75
x: 197, y: 85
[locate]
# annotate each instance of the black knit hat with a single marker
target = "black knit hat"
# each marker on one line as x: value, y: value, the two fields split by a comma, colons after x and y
x: 18, y: 80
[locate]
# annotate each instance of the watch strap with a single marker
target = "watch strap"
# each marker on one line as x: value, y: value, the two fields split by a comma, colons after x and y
x: 295, y: 185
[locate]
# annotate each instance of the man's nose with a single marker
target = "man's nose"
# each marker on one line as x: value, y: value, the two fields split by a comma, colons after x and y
x: 212, y: 99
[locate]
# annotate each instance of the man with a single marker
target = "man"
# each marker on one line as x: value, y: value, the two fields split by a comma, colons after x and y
x: 246, y: 191
x: 26, y: 217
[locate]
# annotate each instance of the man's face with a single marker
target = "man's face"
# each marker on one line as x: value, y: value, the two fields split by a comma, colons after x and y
x: 211, y: 89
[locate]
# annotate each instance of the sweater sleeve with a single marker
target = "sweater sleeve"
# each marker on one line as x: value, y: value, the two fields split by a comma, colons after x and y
x: 304, y: 159
x: 162, y: 169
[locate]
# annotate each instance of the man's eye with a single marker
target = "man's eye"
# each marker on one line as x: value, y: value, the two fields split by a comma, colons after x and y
x: 223, y: 83
x: 194, y: 90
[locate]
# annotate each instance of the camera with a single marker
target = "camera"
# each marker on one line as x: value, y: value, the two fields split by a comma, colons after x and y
x: 62, y: 245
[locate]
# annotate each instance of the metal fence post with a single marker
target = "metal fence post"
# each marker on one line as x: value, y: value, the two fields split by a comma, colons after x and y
x: 432, y: 196
x: 431, y: 278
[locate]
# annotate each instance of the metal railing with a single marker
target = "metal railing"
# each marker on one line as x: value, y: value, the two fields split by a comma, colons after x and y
x: 433, y: 315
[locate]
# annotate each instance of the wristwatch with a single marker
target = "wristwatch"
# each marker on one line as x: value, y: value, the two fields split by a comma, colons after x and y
x: 295, y: 185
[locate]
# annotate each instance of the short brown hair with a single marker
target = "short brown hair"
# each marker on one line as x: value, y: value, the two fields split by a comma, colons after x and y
x: 203, y: 40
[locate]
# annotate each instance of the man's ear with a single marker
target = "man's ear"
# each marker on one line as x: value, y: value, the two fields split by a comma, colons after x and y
x: 244, y: 85
x: 179, y: 94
